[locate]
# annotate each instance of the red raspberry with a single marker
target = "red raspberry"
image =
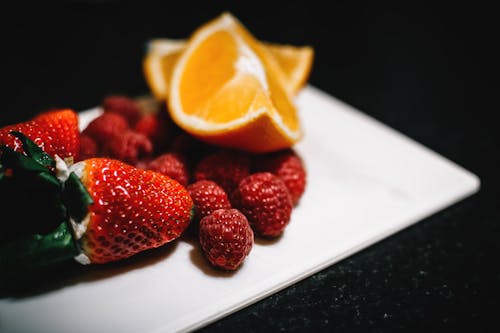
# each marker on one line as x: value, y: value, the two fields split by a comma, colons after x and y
x: 122, y: 105
x: 157, y: 128
x: 226, y: 238
x: 106, y: 126
x: 207, y: 197
x: 265, y: 201
x: 192, y: 148
x: 225, y: 167
x: 143, y: 162
x: 288, y: 166
x: 128, y: 147
x: 88, y: 147
x: 172, y: 165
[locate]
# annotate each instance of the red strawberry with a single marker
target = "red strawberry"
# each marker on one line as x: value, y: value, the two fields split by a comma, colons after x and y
x: 56, y: 132
x: 124, y: 106
x: 226, y: 238
x: 128, y: 146
x: 288, y: 166
x: 106, y: 126
x: 98, y: 210
x: 225, y: 167
x: 265, y: 201
x: 207, y: 197
x: 172, y: 165
x: 133, y: 210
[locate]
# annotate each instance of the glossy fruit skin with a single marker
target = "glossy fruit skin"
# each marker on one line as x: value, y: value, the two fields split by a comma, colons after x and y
x: 287, y: 165
x: 55, y: 131
x: 134, y: 210
x: 265, y: 201
x: 226, y: 238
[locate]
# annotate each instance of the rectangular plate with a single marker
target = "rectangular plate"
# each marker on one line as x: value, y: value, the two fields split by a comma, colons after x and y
x: 365, y: 182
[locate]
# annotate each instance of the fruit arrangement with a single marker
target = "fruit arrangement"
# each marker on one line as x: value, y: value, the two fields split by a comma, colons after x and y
x: 209, y: 156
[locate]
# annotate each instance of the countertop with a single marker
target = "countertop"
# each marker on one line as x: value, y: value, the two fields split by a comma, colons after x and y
x: 426, y: 71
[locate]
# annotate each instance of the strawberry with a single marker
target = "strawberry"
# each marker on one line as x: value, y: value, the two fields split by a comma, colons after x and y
x: 172, y: 165
x: 55, y: 131
x: 287, y: 165
x: 226, y: 238
x: 207, y: 197
x: 265, y: 201
x: 133, y: 210
x: 225, y: 167
x: 99, y: 209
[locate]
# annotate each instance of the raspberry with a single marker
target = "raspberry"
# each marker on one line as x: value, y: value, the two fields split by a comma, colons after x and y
x: 172, y: 165
x: 226, y: 238
x: 128, y: 147
x: 265, y: 201
x: 106, y: 126
x: 88, y: 147
x: 207, y: 197
x: 143, y: 162
x: 122, y: 105
x: 288, y: 166
x: 155, y: 128
x: 225, y: 167
x: 192, y: 148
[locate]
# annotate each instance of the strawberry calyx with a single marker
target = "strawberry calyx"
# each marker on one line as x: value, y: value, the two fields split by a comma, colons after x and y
x: 41, y: 232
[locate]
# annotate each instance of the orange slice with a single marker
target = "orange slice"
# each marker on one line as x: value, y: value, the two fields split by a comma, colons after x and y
x: 161, y: 54
x: 228, y: 90
x: 158, y: 64
x: 295, y: 61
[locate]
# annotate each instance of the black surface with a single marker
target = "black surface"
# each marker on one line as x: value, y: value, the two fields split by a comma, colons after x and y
x: 428, y: 71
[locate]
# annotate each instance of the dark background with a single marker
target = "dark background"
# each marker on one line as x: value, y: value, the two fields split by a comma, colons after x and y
x: 428, y: 71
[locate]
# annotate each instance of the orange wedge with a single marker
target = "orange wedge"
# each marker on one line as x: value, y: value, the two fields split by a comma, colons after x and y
x: 158, y: 64
x: 228, y: 90
x: 162, y: 53
x: 295, y: 61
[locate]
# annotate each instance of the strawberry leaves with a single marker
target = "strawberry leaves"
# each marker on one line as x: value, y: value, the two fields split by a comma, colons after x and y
x: 76, y: 198
x: 41, y: 204
x: 34, y: 160
x: 34, y: 251
x: 32, y: 150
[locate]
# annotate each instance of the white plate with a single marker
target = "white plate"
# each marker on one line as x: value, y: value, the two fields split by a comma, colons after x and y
x: 365, y: 182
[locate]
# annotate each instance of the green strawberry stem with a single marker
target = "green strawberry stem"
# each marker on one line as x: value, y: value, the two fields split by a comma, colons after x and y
x: 36, y: 251
x: 33, y: 250
x: 76, y: 198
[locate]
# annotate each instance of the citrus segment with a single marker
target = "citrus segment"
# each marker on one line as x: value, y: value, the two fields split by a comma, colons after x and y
x: 295, y: 61
x: 161, y: 55
x: 158, y: 64
x: 227, y: 89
